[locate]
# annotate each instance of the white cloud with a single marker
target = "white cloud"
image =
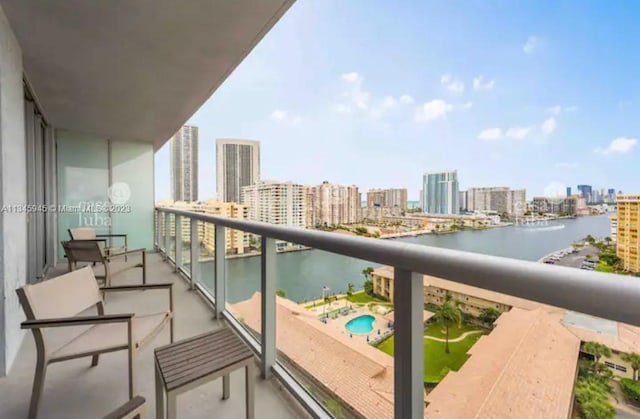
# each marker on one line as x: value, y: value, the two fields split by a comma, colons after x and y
x: 620, y: 145
x: 285, y: 117
x: 435, y: 109
x: 354, y: 92
x: 566, y: 165
x: 490, y: 134
x: 352, y: 77
x: 388, y: 103
x: 278, y: 114
x: 530, y: 46
x: 479, y: 83
x: 518, y: 133
x: 558, y: 109
x: 549, y: 126
x: 465, y: 106
x: 406, y: 100
x: 356, y: 99
x: 452, y: 84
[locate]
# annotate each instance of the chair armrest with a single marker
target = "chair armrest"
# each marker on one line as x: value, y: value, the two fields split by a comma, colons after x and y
x: 90, y: 240
x: 132, y: 407
x: 111, y: 235
x: 76, y: 321
x: 128, y: 252
x: 163, y: 285
x: 117, y: 288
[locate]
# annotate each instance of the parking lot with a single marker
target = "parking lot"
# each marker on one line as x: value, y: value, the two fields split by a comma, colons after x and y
x: 576, y: 260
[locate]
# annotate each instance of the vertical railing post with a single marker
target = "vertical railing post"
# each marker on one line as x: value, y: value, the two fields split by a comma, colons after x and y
x: 408, y: 345
x: 220, y: 251
x: 268, y: 292
x: 156, y: 235
x: 195, y: 253
x: 178, y: 221
x: 167, y: 235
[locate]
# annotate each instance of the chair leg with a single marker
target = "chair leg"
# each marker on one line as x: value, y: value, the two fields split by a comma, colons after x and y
x: 94, y: 360
x: 131, y: 353
x: 38, y: 386
x: 144, y: 267
x: 160, y: 406
x: 249, y: 377
x: 226, y: 381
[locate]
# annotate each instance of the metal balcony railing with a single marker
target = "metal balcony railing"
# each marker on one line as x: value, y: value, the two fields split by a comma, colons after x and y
x: 603, y: 295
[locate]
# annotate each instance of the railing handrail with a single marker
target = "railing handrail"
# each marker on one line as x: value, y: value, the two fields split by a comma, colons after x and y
x: 609, y: 296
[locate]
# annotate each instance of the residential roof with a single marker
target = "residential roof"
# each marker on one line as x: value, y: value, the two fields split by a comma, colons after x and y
x: 362, y: 377
x: 387, y: 272
x: 525, y: 368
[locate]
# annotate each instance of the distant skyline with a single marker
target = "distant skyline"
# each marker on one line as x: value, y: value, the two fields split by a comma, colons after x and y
x: 534, y: 94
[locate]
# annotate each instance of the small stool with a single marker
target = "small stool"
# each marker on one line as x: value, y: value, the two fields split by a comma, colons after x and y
x: 189, y: 363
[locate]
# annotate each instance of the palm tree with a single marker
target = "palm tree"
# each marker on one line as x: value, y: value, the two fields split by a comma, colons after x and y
x: 350, y: 289
x: 598, y: 350
x: 633, y: 358
x: 448, y: 314
x: 366, y: 272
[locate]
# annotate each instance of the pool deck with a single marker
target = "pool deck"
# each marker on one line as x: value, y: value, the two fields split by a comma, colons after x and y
x: 337, y: 327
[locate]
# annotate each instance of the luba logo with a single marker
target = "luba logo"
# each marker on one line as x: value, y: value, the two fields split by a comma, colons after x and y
x: 119, y: 193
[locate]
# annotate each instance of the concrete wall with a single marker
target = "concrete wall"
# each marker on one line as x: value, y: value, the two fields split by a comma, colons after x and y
x: 13, y: 191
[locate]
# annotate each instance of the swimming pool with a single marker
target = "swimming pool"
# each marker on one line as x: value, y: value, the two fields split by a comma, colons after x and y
x: 361, y: 325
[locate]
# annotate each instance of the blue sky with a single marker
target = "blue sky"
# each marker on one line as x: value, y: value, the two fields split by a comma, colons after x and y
x: 528, y: 94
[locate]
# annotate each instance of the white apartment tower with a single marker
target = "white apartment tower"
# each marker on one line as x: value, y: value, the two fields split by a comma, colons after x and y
x: 500, y: 199
x: 184, y: 164
x: 237, y: 166
x: 276, y: 203
x: 333, y: 204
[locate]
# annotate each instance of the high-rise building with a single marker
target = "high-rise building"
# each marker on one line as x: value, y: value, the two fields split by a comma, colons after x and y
x: 237, y: 166
x: 568, y: 191
x: 331, y: 204
x: 237, y: 241
x: 614, y: 227
x: 387, y: 198
x: 276, y: 203
x: 585, y: 191
x: 440, y: 192
x: 500, y: 199
x: 184, y: 164
x: 462, y: 200
x: 611, y: 196
x: 573, y: 205
x: 628, y: 248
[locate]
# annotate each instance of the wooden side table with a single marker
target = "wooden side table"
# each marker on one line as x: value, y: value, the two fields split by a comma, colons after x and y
x: 187, y: 364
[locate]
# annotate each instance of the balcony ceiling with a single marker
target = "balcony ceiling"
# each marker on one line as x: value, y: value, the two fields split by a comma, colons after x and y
x: 133, y: 70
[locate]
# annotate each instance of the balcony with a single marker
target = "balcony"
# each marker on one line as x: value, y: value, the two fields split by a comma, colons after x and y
x: 74, y: 390
x: 362, y: 380
x: 345, y: 371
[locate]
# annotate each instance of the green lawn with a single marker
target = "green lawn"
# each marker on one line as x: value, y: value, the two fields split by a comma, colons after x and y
x: 437, y: 331
x: 363, y: 298
x: 436, y: 360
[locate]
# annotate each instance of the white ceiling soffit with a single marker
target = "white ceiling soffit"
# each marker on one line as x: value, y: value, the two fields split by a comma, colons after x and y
x: 133, y: 70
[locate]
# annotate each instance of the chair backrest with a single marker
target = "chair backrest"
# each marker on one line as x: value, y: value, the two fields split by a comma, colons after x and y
x: 83, y: 251
x: 63, y: 296
x: 82, y: 233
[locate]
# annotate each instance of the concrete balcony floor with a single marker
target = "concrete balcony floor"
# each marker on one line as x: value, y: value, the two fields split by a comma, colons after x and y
x: 75, y: 390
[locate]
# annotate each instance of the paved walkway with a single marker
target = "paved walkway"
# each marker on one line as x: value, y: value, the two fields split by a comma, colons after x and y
x: 623, y: 409
x: 458, y: 339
